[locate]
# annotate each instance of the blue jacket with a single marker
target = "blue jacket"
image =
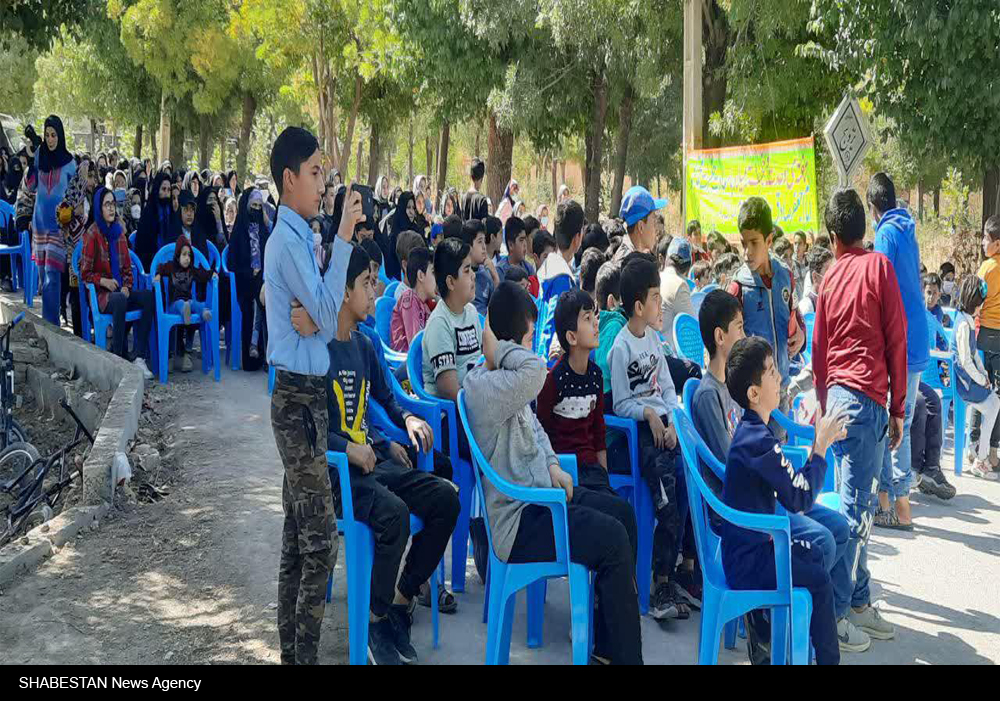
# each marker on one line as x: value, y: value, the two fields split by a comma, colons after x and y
x: 766, y: 311
x: 895, y: 238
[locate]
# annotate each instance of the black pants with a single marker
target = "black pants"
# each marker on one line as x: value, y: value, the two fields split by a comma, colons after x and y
x: 660, y: 469
x: 594, y: 478
x: 988, y: 341
x: 73, y: 293
x: 118, y: 304
x: 384, y: 501
x: 599, y: 540
x: 248, y: 292
x: 925, y: 433
x: 681, y: 371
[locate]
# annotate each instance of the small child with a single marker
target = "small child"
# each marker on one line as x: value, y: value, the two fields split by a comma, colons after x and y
x: 316, y: 224
x: 973, y: 383
x: 375, y: 255
x: 725, y: 268
x: 498, y: 397
x: 406, y: 242
x: 701, y: 273
x: 818, y: 261
x: 612, y: 319
x: 949, y: 290
x: 590, y: 264
x: 517, y: 249
x: 183, y: 277
x: 757, y: 471
x: 409, y: 316
x: 517, y: 275
x: 474, y: 236
x: 644, y: 391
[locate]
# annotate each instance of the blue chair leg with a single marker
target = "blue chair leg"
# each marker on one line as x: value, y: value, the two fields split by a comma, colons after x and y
x: 960, y: 416
x: 801, y: 614
x: 360, y: 548
x: 506, y: 612
x: 711, y: 627
x: 460, y: 539
x: 729, y: 637
x: 163, y: 345
x: 535, y: 596
x: 779, y: 635
x: 486, y: 595
x: 741, y: 628
x: 494, y: 632
x: 435, y: 637
x: 581, y: 612
x: 644, y: 558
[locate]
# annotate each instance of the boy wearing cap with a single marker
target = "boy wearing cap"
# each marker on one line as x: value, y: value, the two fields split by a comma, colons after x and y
x: 637, y: 207
x: 674, y: 288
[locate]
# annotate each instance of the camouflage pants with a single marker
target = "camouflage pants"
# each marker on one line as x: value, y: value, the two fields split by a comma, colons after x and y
x: 309, y: 535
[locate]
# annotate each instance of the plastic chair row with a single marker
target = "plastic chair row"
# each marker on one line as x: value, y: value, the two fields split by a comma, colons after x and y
x: 22, y: 268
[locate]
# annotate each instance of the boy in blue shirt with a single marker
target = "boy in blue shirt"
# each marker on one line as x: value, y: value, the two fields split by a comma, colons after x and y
x: 756, y: 471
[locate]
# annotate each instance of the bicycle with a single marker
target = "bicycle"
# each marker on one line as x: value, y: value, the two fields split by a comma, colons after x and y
x: 28, y: 485
x: 10, y: 431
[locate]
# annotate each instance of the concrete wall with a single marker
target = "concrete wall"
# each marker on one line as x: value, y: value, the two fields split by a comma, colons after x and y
x: 103, y: 370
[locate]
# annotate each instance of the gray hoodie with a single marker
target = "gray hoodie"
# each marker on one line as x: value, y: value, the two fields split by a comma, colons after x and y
x: 506, y: 430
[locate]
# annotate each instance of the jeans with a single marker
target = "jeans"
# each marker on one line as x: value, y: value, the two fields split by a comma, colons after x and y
x: 827, y: 531
x: 988, y: 341
x: 51, y: 295
x: 384, y: 500
x: 664, y: 474
x: 926, y: 433
x: 896, y: 474
x: 117, y: 305
x: 177, y: 307
x: 860, y: 456
x: 598, y: 540
x: 989, y: 409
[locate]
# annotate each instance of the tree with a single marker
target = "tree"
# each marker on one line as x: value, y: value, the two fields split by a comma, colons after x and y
x: 17, y: 64
x: 929, y: 66
x: 38, y: 22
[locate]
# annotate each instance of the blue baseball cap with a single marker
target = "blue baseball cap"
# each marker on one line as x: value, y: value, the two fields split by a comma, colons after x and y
x: 637, y: 204
x: 681, y: 248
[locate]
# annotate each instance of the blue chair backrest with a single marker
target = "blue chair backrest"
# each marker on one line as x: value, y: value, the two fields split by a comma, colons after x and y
x: 690, y: 387
x: 75, y: 262
x: 691, y: 284
x: 696, y: 299
x: 6, y: 213
x: 214, y: 259
x: 131, y: 240
x: 709, y: 287
x: 687, y: 333
x: 166, y: 254
x: 390, y: 289
x: 138, y: 272
x: 415, y: 366
x: 225, y: 259
x: 810, y: 320
x: 383, y: 317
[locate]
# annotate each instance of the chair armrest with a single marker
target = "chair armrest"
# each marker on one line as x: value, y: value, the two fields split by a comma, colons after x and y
x: 568, y: 465
x: 339, y: 461
x: 802, y: 435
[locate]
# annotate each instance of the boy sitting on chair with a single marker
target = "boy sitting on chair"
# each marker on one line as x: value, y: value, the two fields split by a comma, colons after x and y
x: 385, y: 485
x: 756, y: 471
x: 499, y: 395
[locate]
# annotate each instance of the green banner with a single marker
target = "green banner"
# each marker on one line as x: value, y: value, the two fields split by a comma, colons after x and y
x: 783, y: 173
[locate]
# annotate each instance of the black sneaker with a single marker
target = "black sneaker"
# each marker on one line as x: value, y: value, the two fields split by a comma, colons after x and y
x: 758, y: 641
x: 934, y: 483
x: 399, y: 616
x: 381, y: 647
x: 688, y: 589
x: 663, y: 605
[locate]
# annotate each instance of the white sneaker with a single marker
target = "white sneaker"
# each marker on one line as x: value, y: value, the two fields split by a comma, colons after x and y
x: 982, y: 470
x: 871, y: 622
x: 850, y: 638
x: 141, y: 364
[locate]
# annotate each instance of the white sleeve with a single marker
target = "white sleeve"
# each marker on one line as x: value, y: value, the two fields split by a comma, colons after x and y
x: 967, y: 358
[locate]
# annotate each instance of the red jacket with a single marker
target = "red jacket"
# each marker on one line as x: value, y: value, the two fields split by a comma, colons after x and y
x: 859, y: 337
x: 95, y: 262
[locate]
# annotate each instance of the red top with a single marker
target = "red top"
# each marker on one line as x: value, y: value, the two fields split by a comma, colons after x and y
x: 571, y: 410
x: 859, y: 338
x: 95, y: 262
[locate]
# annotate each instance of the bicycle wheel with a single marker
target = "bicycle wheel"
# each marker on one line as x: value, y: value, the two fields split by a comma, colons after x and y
x: 15, y: 434
x: 15, y: 459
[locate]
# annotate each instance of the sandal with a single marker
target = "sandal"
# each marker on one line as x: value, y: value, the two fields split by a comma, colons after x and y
x: 889, y: 519
x: 446, y: 600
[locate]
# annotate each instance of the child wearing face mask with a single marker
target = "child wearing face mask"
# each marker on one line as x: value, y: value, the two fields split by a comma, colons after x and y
x: 184, y: 277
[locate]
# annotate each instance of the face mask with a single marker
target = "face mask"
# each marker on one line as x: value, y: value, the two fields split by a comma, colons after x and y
x: 948, y: 288
x: 545, y: 222
x: 136, y: 211
x: 317, y: 239
x: 86, y: 208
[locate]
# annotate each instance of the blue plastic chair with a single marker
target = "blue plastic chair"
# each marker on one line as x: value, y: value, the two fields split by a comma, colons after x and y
x: 709, y: 287
x: 270, y: 379
x: 89, y: 308
x: 791, y: 608
x: 462, y: 470
x: 634, y: 488
x: 390, y: 289
x: 696, y: 299
x: 383, y: 322
x: 22, y: 271
x: 690, y: 283
x: 687, y: 334
x: 165, y: 321
x: 131, y: 240
x: 506, y: 579
x: 234, y: 325
x: 803, y: 436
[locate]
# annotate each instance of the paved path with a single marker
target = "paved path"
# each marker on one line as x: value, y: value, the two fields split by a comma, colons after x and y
x: 192, y: 579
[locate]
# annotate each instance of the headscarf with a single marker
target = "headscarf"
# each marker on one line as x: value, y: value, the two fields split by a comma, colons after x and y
x: 51, y: 160
x: 240, y: 260
x: 506, y: 206
x: 452, y: 196
x: 378, y: 189
x: 188, y: 177
x: 563, y: 192
x: 14, y: 175
x: 139, y: 180
x: 206, y: 227
x: 400, y: 223
x: 159, y: 224
x: 229, y: 179
x: 111, y: 231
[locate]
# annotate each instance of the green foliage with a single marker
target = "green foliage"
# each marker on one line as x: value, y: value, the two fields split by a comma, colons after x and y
x: 38, y: 22
x: 17, y: 66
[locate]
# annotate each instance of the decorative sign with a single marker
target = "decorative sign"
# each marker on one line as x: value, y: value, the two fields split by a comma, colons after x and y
x: 783, y: 173
x: 847, y: 137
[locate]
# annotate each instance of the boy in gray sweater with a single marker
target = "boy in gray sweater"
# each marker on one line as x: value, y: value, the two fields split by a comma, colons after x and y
x: 643, y: 390
x: 498, y: 397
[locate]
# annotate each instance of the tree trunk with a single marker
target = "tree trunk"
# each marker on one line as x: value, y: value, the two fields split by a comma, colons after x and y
x: 621, y: 150
x: 443, y: 156
x: 920, y: 201
x: 937, y: 201
x: 430, y: 159
x: 222, y: 155
x: 137, y: 145
x: 991, y: 192
x: 715, y: 35
x: 555, y: 178
x: 437, y: 154
x: 204, y: 142
x: 562, y: 173
x: 592, y: 200
x: 588, y: 141
x: 92, y: 139
x: 479, y: 134
x: 154, y: 146
x: 357, y: 169
x: 246, y: 126
x: 374, y: 154
x: 345, y: 153
x: 409, y: 153
x: 176, y: 153
x: 499, y: 159
x: 164, y: 148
